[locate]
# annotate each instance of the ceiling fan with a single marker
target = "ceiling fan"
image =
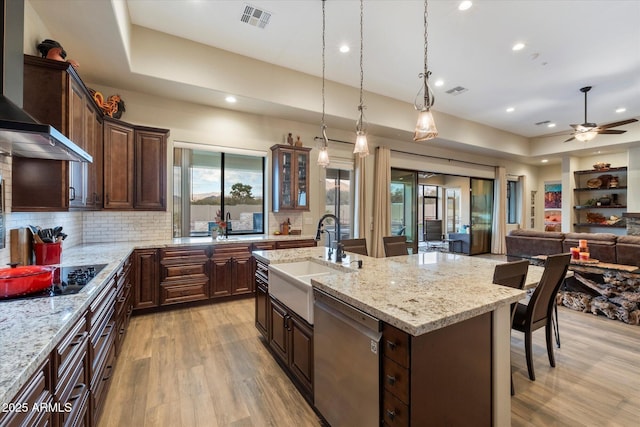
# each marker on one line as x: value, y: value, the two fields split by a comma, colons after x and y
x: 587, y: 131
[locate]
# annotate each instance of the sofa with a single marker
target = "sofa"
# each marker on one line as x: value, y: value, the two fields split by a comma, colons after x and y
x: 605, y: 247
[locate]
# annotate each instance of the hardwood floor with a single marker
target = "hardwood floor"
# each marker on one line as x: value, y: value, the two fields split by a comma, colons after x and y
x: 206, y: 366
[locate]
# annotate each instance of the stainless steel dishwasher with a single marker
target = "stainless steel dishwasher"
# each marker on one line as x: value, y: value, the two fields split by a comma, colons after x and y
x: 346, y: 363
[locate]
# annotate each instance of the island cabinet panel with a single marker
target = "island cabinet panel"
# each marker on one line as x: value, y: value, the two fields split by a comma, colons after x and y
x: 291, y: 341
x: 184, y: 274
x: 70, y: 361
x: 145, y: 279
x: 37, y: 393
x: 262, y: 297
x: 231, y: 270
x: 279, y: 334
x: 301, y: 351
x: 418, y: 381
x: 102, y: 337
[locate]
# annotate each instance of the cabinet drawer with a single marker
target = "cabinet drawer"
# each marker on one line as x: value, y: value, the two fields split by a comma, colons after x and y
x: 35, y: 392
x: 394, y: 412
x: 69, y: 349
x: 395, y: 379
x: 184, y: 292
x: 395, y: 345
x: 100, y: 385
x: 231, y: 250
x: 264, y: 246
x: 172, y: 271
x: 170, y: 254
x: 262, y: 271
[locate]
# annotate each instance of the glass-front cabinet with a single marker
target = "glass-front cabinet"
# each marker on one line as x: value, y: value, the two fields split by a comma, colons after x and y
x: 290, y: 178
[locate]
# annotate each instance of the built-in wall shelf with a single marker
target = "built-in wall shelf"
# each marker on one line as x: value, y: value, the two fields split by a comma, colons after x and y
x: 594, y: 225
x: 600, y: 199
x: 600, y: 207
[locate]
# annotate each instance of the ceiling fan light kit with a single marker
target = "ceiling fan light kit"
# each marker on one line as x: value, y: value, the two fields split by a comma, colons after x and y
x: 588, y: 131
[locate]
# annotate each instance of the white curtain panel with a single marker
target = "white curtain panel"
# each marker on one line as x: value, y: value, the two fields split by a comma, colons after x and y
x: 498, y: 245
x: 360, y: 226
x: 381, y: 201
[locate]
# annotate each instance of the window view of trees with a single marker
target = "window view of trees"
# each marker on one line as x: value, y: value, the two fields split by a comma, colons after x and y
x: 217, y: 184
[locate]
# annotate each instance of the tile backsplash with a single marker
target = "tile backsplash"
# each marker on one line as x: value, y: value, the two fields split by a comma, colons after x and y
x: 126, y: 226
x: 93, y: 227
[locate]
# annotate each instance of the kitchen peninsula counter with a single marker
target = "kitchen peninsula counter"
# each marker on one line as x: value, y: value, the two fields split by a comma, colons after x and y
x: 31, y: 328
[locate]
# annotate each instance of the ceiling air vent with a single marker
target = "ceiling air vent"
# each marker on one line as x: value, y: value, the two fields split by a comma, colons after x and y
x: 457, y: 90
x: 546, y: 122
x: 254, y: 16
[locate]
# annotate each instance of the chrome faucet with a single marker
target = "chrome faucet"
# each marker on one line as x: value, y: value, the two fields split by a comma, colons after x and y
x: 339, y: 251
x: 227, y: 220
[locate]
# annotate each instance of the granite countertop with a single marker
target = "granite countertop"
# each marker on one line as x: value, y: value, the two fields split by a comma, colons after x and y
x: 416, y: 293
x: 31, y: 328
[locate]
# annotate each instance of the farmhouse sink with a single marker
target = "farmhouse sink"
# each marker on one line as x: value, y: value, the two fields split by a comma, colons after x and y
x: 290, y: 283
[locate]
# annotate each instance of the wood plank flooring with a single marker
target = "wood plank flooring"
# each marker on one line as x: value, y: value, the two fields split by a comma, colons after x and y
x: 206, y: 366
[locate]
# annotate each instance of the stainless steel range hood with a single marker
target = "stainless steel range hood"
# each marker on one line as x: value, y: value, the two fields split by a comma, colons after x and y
x: 20, y: 134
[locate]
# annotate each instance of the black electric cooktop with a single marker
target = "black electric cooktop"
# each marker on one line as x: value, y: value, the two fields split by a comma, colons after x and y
x: 67, y: 281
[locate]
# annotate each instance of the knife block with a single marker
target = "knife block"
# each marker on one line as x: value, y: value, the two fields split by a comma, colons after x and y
x: 21, y: 246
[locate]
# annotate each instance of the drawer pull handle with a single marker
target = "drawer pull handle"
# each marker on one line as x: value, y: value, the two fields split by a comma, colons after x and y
x: 391, y: 345
x: 391, y: 414
x: 391, y: 379
x: 82, y: 388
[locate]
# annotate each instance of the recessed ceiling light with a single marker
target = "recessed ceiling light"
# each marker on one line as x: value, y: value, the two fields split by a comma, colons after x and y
x: 518, y: 46
x: 544, y: 161
x: 465, y: 5
x: 621, y: 110
x: 510, y: 110
x: 344, y: 48
x: 551, y: 125
x: 439, y: 83
x: 231, y: 99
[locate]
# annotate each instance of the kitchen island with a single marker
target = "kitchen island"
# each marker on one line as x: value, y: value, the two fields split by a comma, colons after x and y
x: 444, y: 313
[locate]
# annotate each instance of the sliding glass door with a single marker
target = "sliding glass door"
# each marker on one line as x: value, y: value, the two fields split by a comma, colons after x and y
x: 404, y: 190
x: 481, y: 215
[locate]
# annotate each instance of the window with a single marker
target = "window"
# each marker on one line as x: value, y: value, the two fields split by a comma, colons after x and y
x: 338, y: 200
x: 512, y: 202
x: 212, y: 186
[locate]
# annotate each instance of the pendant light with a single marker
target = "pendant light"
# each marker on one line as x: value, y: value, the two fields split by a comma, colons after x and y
x: 323, y: 155
x: 362, y: 147
x: 426, y: 126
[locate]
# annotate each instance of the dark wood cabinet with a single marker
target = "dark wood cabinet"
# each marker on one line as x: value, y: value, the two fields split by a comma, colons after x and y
x: 135, y: 166
x: 417, y: 381
x: 39, y: 185
x: 290, y: 185
x: 70, y: 364
x: 118, y: 165
x: 55, y: 94
x: 124, y: 301
x: 145, y: 281
x: 36, y: 392
x: 150, y: 168
x: 290, y: 339
x: 102, y: 338
x: 231, y: 270
x: 184, y: 274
